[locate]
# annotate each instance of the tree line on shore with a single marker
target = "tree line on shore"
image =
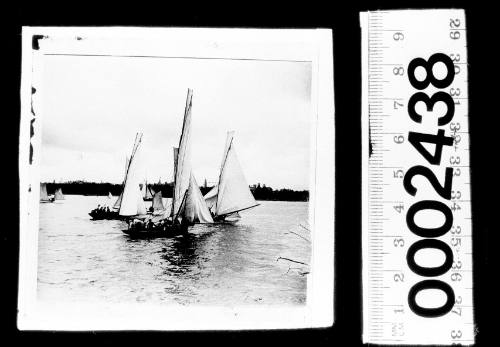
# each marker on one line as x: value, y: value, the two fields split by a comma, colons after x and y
x: 260, y: 192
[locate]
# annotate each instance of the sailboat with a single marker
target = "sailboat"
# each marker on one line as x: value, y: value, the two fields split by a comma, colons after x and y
x: 188, y: 206
x: 44, y: 197
x: 105, y: 212
x: 58, y: 195
x: 231, y: 195
x: 147, y: 192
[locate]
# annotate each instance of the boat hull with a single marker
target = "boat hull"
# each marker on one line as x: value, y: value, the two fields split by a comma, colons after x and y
x: 105, y: 215
x: 229, y: 219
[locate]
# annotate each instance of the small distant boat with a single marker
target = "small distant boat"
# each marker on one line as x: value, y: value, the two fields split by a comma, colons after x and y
x: 188, y: 206
x: 147, y: 192
x: 110, y: 196
x: 44, y: 197
x: 58, y: 195
x: 231, y: 194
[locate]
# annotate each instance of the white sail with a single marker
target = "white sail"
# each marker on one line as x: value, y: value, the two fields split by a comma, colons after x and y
x: 158, y: 202
x: 211, y: 198
x: 118, y: 201
x: 43, y: 192
x: 233, y: 191
x: 132, y: 202
x: 59, y: 194
x: 195, y: 209
x: 110, y: 196
x: 183, y: 162
x: 168, y: 208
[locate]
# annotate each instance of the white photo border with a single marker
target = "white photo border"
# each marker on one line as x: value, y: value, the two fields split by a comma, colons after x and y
x: 262, y: 44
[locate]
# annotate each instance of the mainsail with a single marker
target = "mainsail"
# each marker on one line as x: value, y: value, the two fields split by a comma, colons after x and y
x: 231, y: 193
x: 187, y: 201
x: 195, y: 208
x: 132, y: 202
x: 183, y: 162
x: 59, y: 194
x: 43, y: 192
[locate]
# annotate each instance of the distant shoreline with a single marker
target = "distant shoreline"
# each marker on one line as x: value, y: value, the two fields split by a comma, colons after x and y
x: 115, y: 196
x: 260, y: 192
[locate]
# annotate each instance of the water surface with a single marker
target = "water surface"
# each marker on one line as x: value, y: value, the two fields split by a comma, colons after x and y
x: 84, y: 260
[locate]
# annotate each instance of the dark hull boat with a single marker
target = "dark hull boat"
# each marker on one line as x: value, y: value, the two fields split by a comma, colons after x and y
x: 157, y: 231
x: 100, y: 215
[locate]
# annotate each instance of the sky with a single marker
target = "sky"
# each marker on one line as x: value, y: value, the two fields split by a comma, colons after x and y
x: 93, y: 107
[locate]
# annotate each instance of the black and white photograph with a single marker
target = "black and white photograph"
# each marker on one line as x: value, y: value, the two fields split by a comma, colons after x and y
x: 247, y: 174
x: 176, y: 173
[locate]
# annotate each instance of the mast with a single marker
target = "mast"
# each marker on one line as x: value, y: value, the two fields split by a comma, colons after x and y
x: 134, y: 149
x: 176, y: 153
x: 182, y: 204
x: 127, y: 161
x: 229, y: 142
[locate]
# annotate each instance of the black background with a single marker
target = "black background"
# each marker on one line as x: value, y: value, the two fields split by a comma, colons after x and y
x: 343, y: 18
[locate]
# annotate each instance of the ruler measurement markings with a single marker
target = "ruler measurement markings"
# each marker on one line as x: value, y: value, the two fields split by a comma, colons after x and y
x: 380, y: 97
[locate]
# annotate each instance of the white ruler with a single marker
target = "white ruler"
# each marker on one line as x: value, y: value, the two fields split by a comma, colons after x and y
x: 417, y: 261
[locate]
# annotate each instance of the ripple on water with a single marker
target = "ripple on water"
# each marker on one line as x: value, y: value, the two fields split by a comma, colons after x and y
x: 80, y: 259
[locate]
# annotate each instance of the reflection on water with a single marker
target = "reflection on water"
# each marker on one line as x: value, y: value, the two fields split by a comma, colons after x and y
x: 86, y: 260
